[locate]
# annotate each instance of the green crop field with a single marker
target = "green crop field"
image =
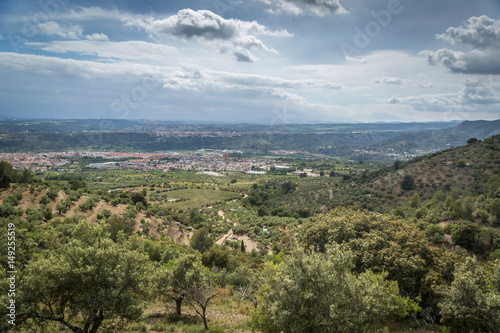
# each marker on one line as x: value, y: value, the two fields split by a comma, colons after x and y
x: 197, y: 198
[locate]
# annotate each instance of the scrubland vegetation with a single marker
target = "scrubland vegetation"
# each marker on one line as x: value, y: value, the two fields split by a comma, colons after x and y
x: 410, y: 246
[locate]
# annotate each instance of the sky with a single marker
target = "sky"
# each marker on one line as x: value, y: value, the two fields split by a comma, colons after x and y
x: 257, y: 61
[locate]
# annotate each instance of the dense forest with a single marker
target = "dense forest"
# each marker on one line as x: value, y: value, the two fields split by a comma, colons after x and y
x: 414, y: 246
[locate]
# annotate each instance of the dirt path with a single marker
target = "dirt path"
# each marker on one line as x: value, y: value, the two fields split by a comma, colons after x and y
x: 223, y: 238
x: 331, y: 193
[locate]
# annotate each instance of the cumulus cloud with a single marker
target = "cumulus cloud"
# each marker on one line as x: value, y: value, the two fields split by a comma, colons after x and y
x: 206, y: 26
x: 389, y: 80
x: 97, y: 37
x: 483, y: 33
x: 68, y: 31
x: 480, y: 32
x: 473, y: 62
x: 300, y: 7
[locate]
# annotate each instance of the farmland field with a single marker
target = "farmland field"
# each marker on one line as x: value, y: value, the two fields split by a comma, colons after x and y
x: 190, y: 198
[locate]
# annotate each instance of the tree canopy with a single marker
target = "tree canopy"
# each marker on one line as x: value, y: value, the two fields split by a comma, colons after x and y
x: 85, y: 282
x: 319, y: 292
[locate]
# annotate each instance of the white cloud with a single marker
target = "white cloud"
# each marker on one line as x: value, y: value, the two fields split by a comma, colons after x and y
x: 97, y: 37
x: 246, y: 95
x: 475, y: 96
x: 389, y: 80
x: 68, y: 31
x: 300, y: 7
x: 479, y: 93
x: 483, y: 33
x: 237, y: 36
x: 131, y: 50
x: 480, y: 32
x: 356, y: 60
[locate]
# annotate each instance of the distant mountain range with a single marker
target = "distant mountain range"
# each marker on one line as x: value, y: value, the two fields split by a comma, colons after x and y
x: 423, y: 142
x: 385, y: 142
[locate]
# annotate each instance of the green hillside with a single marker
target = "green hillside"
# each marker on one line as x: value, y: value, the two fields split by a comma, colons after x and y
x: 424, y: 142
x: 154, y: 251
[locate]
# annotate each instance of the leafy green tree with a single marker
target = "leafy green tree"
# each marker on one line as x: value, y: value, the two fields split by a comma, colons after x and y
x: 85, y: 282
x: 377, y: 242
x: 468, y: 205
x: 434, y: 232
x: 318, y: 292
x: 495, y: 208
x: 179, y: 276
x: 44, y: 199
x: 139, y: 197
x: 246, y: 283
x: 76, y: 184
x: 408, y: 183
x: 216, y: 257
x: 472, y: 302
x: 201, y: 240
x: 62, y: 206
x: 466, y: 234
x: 25, y: 177
x: 117, y: 224
x: 53, y: 192
x: 415, y: 201
x: 263, y: 211
x: 201, y: 293
x: 7, y: 174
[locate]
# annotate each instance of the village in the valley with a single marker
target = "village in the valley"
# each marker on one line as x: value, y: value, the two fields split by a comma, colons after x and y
x: 205, y: 160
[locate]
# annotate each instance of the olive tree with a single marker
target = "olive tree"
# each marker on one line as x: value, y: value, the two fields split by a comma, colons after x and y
x: 201, y: 240
x: 179, y: 276
x: 318, y: 292
x: 472, y: 302
x: 85, y: 282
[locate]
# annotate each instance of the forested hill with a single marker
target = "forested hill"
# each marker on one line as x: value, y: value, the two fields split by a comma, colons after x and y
x: 418, y: 143
x: 466, y: 167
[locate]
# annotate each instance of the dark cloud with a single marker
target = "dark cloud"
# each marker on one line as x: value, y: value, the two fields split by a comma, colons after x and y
x: 474, y: 62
